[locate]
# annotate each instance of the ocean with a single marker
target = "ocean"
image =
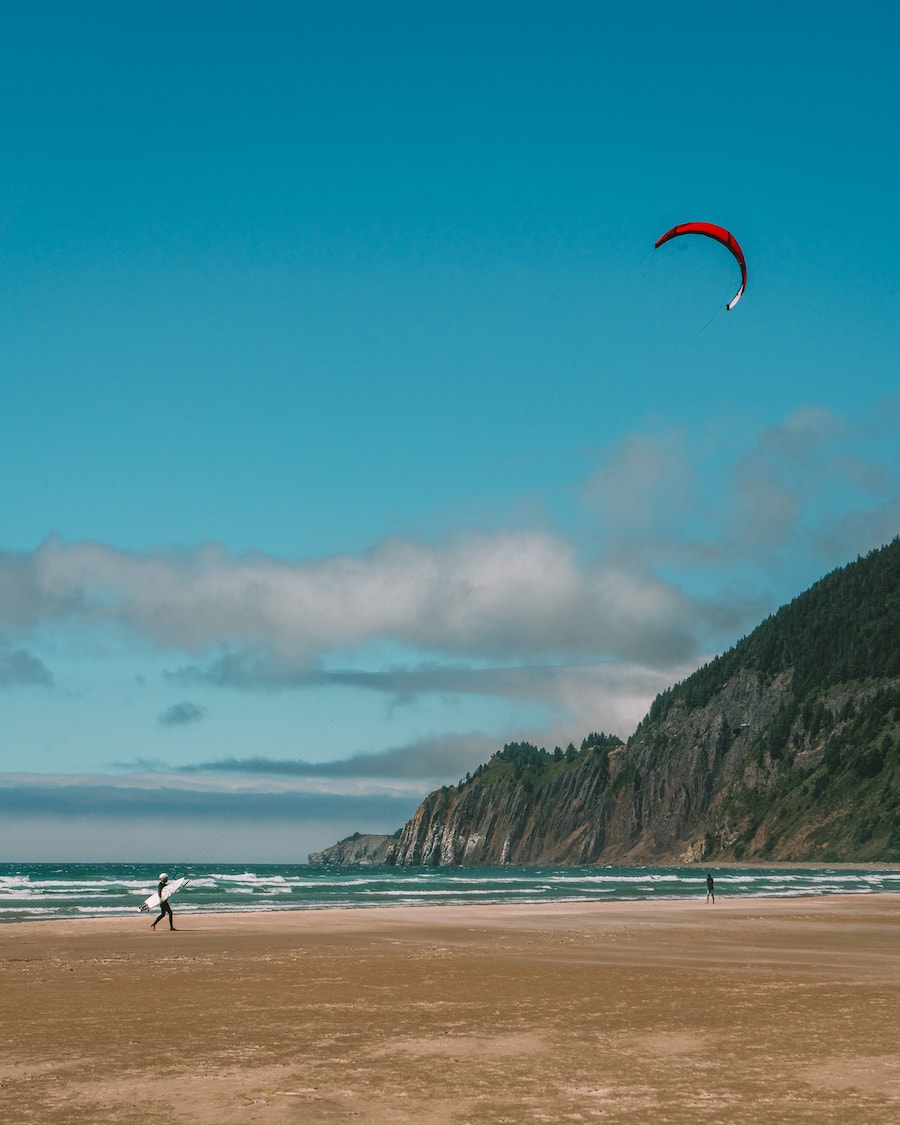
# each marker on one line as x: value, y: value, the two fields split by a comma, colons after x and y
x: 35, y: 891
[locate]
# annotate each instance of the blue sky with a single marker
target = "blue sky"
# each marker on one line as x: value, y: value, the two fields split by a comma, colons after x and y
x: 350, y: 425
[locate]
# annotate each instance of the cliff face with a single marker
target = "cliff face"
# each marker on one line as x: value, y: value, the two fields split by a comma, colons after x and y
x: 358, y: 850
x: 785, y: 748
x: 507, y: 821
x: 661, y: 799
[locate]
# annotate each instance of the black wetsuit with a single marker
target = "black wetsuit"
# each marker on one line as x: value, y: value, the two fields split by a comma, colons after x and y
x: 164, y: 907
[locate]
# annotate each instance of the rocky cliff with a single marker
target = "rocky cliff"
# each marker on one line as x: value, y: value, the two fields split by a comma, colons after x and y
x: 360, y: 849
x: 785, y: 748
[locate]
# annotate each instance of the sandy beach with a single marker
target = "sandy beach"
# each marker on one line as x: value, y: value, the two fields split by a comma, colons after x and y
x: 746, y: 1011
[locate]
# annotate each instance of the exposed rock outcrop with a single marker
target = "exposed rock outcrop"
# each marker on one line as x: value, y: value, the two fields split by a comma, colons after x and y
x: 358, y: 849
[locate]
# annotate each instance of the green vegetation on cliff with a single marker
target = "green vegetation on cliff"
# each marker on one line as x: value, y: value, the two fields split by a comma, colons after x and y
x: 843, y: 629
x: 534, y: 767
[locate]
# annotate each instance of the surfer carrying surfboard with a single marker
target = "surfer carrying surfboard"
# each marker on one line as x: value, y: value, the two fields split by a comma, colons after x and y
x: 164, y: 907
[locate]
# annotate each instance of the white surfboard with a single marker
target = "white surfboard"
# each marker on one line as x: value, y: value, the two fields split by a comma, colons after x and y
x: 152, y: 903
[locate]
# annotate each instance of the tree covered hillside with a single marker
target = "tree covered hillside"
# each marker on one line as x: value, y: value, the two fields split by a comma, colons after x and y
x: 821, y: 776
x: 844, y: 628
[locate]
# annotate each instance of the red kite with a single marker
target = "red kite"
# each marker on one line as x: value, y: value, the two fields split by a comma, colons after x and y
x: 718, y: 234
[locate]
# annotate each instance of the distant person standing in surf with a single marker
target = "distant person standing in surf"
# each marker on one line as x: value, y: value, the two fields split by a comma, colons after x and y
x: 710, y: 892
x: 164, y: 907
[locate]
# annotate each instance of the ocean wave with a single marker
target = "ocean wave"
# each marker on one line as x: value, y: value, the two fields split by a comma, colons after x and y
x: 106, y: 890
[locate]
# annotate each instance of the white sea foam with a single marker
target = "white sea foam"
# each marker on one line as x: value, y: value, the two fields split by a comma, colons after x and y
x: 106, y: 890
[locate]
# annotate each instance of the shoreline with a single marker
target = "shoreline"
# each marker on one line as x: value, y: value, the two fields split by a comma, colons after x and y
x: 724, y: 899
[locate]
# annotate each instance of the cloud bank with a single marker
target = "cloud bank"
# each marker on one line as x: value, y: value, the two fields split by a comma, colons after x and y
x: 683, y: 541
x: 427, y: 761
x: 520, y: 593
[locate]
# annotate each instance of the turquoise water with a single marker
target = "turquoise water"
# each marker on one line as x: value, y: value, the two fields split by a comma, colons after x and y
x: 49, y: 890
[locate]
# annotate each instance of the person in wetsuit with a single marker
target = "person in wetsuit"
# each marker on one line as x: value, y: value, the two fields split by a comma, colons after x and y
x: 164, y: 907
x: 710, y: 892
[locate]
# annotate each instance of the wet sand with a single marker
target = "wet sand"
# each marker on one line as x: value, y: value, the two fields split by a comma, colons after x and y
x: 747, y: 1011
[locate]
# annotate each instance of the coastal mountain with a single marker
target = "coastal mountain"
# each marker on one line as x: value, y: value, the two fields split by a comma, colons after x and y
x: 784, y: 748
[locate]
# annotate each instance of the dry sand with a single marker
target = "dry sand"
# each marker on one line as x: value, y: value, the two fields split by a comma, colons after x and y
x: 746, y: 1011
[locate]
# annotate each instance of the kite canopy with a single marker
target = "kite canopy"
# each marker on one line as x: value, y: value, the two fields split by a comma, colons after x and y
x: 718, y: 234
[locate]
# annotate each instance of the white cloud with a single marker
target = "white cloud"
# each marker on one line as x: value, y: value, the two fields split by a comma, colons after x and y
x: 645, y: 486
x: 522, y: 594
x: 676, y: 502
